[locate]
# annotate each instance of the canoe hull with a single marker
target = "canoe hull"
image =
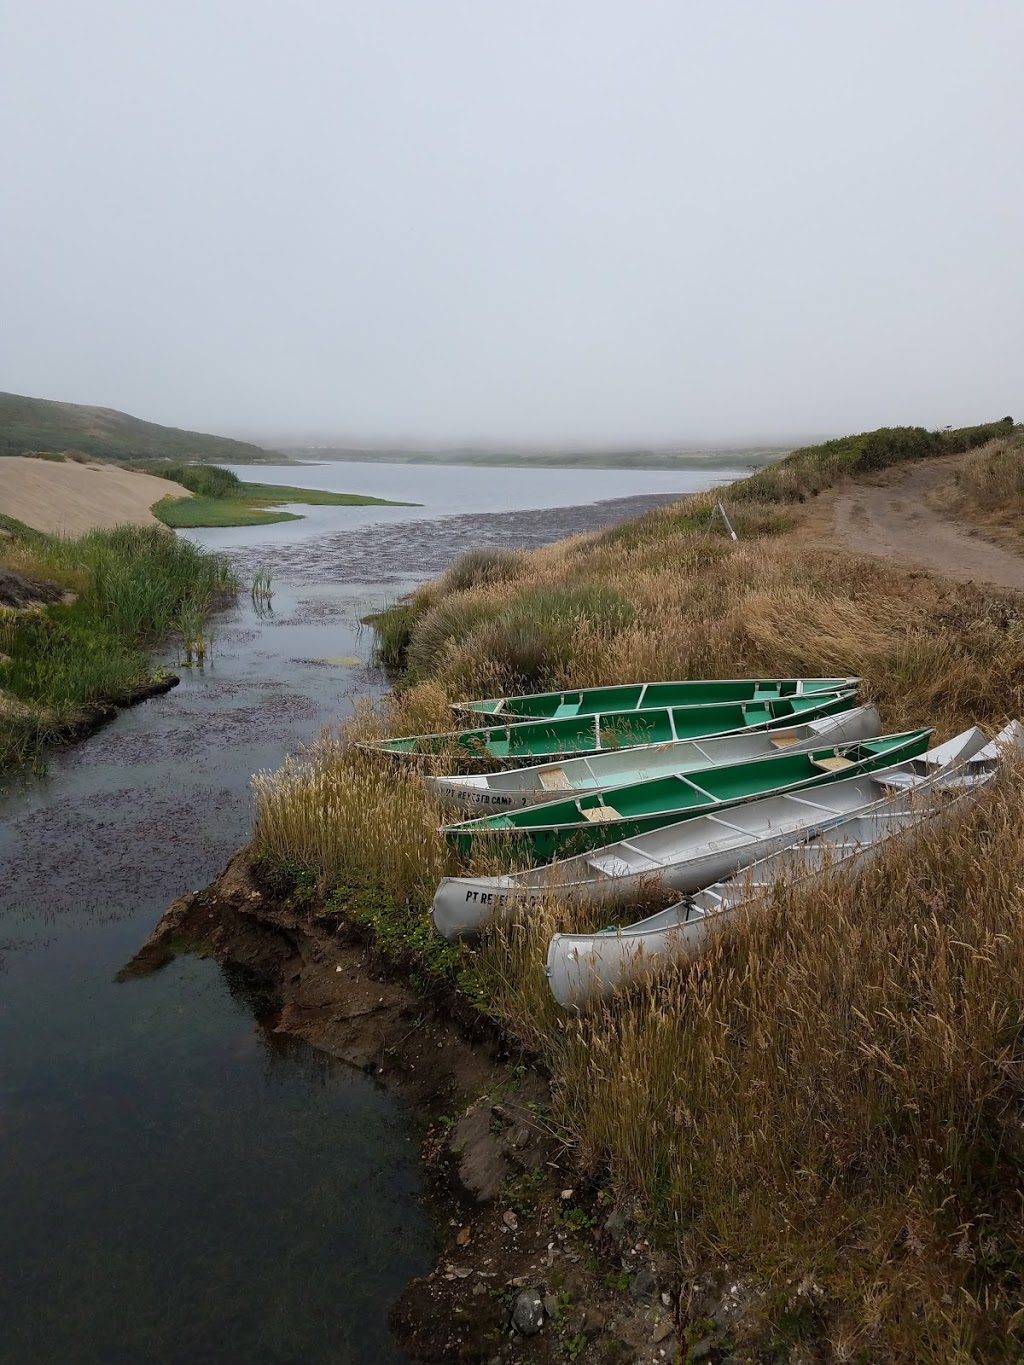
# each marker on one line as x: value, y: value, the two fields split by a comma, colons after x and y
x: 526, y: 786
x: 649, y: 696
x: 586, y: 968
x: 569, y: 825
x: 528, y: 742
x: 680, y: 859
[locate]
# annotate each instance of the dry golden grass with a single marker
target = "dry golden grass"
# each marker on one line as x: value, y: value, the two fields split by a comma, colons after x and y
x: 835, y: 1088
x: 991, y: 480
x: 987, y: 491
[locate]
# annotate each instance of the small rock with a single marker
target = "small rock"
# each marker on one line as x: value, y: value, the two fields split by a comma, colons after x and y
x: 567, y: 1194
x: 593, y: 1322
x: 701, y: 1349
x: 510, y: 1220
x: 482, y: 1168
x: 551, y: 1305
x: 616, y: 1223
x: 464, y: 1237
x: 528, y: 1312
x: 479, y: 1289
x: 663, y: 1330
x: 644, y: 1285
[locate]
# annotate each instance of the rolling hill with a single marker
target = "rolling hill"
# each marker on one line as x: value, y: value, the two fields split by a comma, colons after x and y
x: 31, y: 424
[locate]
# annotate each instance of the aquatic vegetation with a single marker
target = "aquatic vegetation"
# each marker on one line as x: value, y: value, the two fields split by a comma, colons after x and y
x: 126, y: 589
x: 221, y: 498
x: 261, y: 590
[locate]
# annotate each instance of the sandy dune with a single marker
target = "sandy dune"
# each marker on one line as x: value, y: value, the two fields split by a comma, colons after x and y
x: 65, y: 498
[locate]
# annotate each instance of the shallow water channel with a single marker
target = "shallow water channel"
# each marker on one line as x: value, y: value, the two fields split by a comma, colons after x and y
x: 177, y: 1182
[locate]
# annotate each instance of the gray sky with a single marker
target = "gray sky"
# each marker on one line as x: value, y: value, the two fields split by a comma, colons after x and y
x: 548, y: 220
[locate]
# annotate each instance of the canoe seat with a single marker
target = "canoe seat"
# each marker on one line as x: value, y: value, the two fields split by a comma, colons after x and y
x: 756, y: 715
x: 784, y: 740
x: 835, y: 764
x: 764, y: 692
x: 599, y: 814
x: 566, y: 708
x: 555, y: 781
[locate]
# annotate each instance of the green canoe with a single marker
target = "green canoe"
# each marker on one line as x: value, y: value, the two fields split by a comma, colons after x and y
x: 538, y: 740
x: 652, y: 696
x: 559, y: 828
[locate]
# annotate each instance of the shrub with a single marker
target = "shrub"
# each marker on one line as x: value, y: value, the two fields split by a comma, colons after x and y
x: 807, y: 471
x: 205, y: 480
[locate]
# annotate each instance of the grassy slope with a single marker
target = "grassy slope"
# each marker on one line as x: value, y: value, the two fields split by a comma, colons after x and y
x: 29, y: 424
x: 132, y: 586
x: 832, y: 1096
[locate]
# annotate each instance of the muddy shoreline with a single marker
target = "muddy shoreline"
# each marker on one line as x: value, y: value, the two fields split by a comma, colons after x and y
x: 520, y: 1230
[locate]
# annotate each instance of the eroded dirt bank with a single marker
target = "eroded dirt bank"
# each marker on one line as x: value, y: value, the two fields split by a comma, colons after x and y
x: 534, y: 1268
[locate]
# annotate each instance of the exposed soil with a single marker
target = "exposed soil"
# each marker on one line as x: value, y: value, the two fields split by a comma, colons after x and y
x: 893, y: 519
x: 519, y: 1233
x: 20, y: 592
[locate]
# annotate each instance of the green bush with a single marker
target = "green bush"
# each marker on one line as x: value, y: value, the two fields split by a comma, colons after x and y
x: 205, y: 480
x: 960, y: 439
x: 807, y: 471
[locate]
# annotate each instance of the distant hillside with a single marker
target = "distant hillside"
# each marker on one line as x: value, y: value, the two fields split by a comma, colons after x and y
x: 40, y: 424
x: 684, y: 458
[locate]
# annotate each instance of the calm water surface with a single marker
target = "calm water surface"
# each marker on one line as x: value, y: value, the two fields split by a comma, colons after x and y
x: 177, y: 1182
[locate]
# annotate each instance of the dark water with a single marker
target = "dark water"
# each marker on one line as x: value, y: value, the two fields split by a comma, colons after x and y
x: 177, y: 1183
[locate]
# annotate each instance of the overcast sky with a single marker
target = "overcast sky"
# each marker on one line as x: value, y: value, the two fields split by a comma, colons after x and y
x: 542, y: 221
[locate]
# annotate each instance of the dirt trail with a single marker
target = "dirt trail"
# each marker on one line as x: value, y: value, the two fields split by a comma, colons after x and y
x: 895, y: 521
x: 67, y: 498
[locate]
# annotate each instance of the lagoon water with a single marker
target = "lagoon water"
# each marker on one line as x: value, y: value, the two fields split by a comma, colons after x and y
x: 179, y: 1184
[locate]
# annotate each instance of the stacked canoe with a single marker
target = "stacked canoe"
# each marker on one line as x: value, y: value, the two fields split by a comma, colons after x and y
x: 710, y: 789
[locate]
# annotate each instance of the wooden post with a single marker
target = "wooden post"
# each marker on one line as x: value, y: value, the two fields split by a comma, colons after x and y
x: 728, y: 524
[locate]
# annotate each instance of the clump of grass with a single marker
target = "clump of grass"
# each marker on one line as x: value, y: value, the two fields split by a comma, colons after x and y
x: 481, y: 567
x: 127, y: 588
x: 512, y: 638
x: 991, y: 480
x: 261, y: 590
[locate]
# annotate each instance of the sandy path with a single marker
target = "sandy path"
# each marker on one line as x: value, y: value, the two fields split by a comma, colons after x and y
x: 65, y: 498
x: 894, y: 521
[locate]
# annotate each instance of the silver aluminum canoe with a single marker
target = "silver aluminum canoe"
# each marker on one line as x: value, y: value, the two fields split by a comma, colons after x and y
x: 584, y: 968
x: 518, y: 787
x: 686, y: 856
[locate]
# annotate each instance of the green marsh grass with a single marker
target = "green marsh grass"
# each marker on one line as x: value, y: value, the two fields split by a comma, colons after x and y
x: 221, y: 498
x: 127, y: 589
